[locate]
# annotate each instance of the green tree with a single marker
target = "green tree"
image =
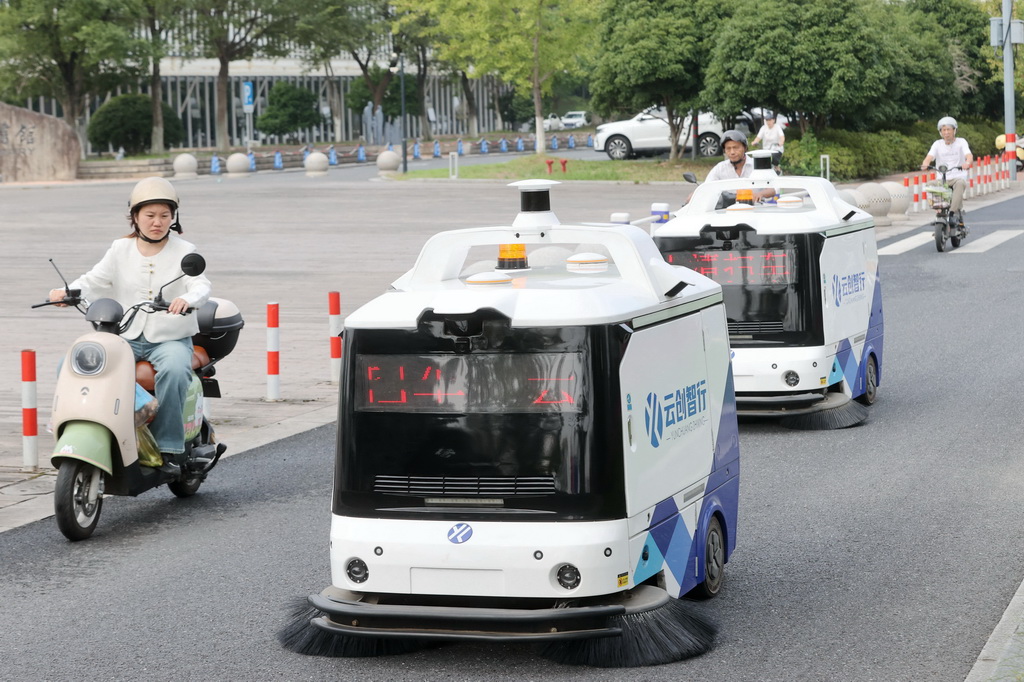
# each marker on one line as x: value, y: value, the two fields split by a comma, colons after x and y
x: 965, y: 25
x: 68, y: 50
x: 640, y: 65
x: 524, y: 42
x: 127, y: 121
x: 159, y: 16
x: 844, y: 62
x: 233, y: 30
x: 391, y: 104
x: 289, y: 108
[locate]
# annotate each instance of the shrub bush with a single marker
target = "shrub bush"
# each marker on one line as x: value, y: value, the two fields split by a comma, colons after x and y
x: 289, y: 108
x: 865, y: 155
x: 127, y: 121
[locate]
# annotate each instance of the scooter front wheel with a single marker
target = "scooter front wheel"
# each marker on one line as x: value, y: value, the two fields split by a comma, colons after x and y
x: 940, y: 236
x: 78, y: 499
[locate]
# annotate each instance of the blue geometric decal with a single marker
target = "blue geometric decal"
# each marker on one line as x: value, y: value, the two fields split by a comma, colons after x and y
x: 662, y: 511
x: 837, y: 372
x: 677, y: 558
x: 655, y: 560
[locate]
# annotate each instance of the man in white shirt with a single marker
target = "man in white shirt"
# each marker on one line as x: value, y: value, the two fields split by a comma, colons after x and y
x: 734, y: 146
x: 952, y: 152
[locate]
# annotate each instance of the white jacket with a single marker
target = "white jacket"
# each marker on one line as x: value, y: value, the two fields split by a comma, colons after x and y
x: 128, y: 277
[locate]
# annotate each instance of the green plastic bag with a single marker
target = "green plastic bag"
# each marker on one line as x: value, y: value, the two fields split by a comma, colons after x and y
x: 149, y: 452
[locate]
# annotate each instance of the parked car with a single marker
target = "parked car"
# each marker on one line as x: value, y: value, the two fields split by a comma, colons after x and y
x: 552, y: 122
x: 574, y: 119
x: 647, y: 133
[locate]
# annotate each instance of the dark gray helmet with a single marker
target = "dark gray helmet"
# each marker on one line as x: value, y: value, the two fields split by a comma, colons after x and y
x: 735, y: 136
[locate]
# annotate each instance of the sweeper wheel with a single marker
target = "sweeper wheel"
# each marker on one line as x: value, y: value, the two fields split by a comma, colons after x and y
x: 714, y: 562
x: 870, y: 382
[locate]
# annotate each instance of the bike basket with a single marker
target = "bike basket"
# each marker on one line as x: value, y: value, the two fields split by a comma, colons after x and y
x: 939, y: 192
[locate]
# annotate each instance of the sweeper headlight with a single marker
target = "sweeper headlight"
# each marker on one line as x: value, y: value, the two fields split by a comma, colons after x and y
x: 357, y: 571
x: 88, y: 358
x: 791, y: 378
x: 568, y: 576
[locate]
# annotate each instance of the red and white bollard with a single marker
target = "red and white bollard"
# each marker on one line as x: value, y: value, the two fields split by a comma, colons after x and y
x: 915, y: 204
x: 273, y: 353
x: 334, y: 326
x: 29, y: 412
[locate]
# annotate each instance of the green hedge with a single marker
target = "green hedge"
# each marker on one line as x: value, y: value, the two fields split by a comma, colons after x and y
x: 868, y: 155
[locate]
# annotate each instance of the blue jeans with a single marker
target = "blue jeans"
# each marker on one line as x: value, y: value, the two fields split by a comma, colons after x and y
x: 172, y: 361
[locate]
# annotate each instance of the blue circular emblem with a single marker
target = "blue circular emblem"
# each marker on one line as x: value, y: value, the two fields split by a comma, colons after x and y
x: 460, y: 533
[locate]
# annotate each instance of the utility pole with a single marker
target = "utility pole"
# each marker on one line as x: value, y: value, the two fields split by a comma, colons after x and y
x: 1004, y: 33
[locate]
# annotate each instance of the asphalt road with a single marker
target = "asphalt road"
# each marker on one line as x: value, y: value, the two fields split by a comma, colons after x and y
x: 883, y: 552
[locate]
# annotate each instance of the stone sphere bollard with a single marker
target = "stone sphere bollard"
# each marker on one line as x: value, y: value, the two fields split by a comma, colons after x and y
x: 185, y: 166
x: 899, y: 197
x: 877, y: 199
x: 853, y: 197
x: 316, y: 164
x: 238, y: 165
x: 388, y: 162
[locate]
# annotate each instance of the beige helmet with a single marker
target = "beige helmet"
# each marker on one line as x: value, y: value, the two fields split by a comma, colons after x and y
x: 155, y: 190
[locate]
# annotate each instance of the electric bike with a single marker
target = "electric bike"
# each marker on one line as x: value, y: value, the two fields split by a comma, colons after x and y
x: 103, y: 401
x: 947, y: 225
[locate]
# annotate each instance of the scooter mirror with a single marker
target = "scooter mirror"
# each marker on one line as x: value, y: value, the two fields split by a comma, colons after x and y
x: 690, y: 177
x: 193, y: 264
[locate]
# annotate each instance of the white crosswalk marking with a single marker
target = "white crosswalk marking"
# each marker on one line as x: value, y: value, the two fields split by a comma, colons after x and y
x: 988, y: 241
x: 980, y: 245
x: 904, y: 245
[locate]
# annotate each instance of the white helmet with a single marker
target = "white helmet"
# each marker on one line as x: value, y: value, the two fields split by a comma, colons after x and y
x: 947, y: 121
x: 155, y: 190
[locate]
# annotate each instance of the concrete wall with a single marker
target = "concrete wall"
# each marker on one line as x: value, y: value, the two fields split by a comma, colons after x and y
x: 36, y: 146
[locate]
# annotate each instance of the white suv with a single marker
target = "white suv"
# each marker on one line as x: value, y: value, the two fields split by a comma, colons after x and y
x: 574, y: 119
x: 647, y: 134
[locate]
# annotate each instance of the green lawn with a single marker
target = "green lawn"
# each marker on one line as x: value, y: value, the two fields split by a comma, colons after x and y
x: 534, y: 166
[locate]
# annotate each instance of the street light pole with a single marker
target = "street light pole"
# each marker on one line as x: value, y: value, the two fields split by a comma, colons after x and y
x: 401, y: 81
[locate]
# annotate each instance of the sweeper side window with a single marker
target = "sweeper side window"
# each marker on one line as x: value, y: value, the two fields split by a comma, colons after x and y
x: 769, y: 282
x: 472, y: 417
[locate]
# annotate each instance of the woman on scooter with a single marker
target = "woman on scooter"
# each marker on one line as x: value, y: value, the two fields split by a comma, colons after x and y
x: 134, y: 269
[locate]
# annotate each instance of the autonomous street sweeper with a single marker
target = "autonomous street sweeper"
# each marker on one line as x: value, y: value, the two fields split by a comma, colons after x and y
x: 798, y: 268
x: 537, y: 442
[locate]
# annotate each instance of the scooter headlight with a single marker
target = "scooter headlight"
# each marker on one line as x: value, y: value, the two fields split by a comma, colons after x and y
x: 791, y: 378
x: 88, y: 358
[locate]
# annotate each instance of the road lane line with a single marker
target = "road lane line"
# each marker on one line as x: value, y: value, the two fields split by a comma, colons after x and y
x: 989, y: 241
x: 904, y: 245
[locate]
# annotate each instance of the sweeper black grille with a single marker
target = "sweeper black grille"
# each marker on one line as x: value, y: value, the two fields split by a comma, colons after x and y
x: 743, y: 328
x: 453, y: 486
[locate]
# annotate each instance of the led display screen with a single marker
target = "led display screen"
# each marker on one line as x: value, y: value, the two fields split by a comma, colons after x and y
x: 759, y: 267
x: 470, y: 383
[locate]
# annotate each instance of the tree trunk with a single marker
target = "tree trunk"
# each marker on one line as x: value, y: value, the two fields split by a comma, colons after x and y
x: 157, y: 96
x: 334, y: 102
x: 471, y: 112
x: 223, y: 141
x: 422, y: 61
x: 538, y: 115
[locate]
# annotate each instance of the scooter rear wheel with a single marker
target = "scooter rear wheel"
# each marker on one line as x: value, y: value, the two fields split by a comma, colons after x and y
x: 76, y: 515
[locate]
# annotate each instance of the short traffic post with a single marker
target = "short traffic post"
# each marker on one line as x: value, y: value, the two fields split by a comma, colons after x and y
x: 906, y: 188
x: 273, y: 352
x: 915, y: 203
x: 29, y: 413
x: 334, y: 326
